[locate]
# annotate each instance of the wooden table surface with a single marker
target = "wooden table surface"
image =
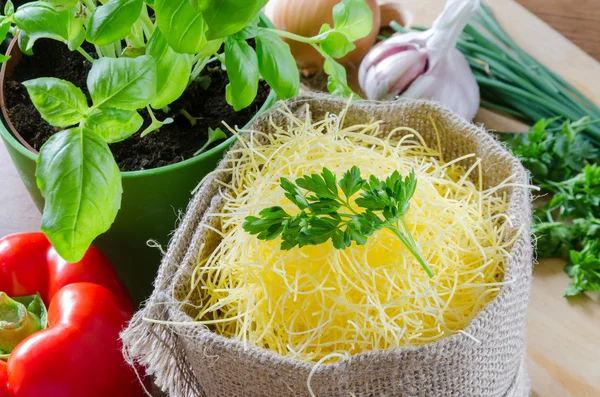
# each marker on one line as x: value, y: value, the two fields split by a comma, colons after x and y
x: 577, y: 20
x: 576, y: 372
x: 552, y: 336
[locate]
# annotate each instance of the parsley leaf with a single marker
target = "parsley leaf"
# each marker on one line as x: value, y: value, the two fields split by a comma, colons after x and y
x: 554, y: 154
x: 566, y: 165
x: 554, y: 239
x: 352, y: 182
x: 578, y: 196
x: 382, y: 204
x: 584, y: 269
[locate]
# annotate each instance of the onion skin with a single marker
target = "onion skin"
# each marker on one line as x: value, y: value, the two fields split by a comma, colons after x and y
x: 305, y: 18
x: 393, y: 11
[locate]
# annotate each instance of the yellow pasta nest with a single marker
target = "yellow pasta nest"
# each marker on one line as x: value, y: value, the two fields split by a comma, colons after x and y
x: 319, y: 304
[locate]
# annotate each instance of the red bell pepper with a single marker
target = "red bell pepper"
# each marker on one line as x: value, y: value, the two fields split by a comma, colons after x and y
x: 79, y: 353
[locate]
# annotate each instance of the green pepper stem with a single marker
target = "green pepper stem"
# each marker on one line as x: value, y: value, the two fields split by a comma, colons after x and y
x: 16, y: 324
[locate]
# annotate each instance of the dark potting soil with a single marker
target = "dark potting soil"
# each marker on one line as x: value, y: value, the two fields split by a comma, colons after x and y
x: 171, y: 144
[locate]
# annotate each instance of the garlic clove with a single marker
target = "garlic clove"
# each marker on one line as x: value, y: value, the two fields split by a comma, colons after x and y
x: 425, y: 65
x: 448, y: 80
x: 416, y: 64
x: 394, y: 74
x: 392, y: 45
x: 371, y: 69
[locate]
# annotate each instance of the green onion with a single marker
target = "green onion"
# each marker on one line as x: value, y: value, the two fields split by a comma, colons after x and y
x: 515, y: 83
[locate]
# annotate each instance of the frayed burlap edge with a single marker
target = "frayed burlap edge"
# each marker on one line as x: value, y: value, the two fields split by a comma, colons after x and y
x: 164, y: 350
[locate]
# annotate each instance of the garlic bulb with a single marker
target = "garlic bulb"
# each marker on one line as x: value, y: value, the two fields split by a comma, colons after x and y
x: 425, y: 65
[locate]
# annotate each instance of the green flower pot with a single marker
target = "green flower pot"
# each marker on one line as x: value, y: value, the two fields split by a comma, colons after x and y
x: 151, y: 205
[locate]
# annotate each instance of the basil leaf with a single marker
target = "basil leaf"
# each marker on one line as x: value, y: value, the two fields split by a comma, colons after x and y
x: 9, y: 8
x: 63, y: 4
x: 113, y: 125
x: 353, y: 18
x: 112, y: 21
x: 211, y: 48
x: 183, y: 26
x: 337, y: 44
x: 173, y: 70
x: 242, y: 69
x: 4, y: 29
x: 277, y: 65
x: 42, y: 20
x: 123, y: 83
x: 248, y: 32
x: 75, y: 31
x: 81, y: 185
x: 60, y: 103
x: 24, y: 43
x: 226, y: 17
x: 337, y: 82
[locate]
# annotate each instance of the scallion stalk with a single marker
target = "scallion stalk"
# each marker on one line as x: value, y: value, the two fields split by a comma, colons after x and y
x: 515, y: 83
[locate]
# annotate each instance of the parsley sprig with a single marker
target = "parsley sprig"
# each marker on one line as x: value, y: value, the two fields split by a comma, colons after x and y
x: 326, y: 215
x: 576, y: 201
x: 554, y: 154
x: 565, y: 164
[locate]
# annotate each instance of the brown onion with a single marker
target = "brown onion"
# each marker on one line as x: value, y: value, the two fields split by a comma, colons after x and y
x: 392, y: 10
x: 305, y: 18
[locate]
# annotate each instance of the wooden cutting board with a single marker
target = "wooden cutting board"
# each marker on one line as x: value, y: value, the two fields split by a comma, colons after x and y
x: 563, y: 334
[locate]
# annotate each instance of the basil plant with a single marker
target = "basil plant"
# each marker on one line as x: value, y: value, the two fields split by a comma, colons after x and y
x: 146, y: 54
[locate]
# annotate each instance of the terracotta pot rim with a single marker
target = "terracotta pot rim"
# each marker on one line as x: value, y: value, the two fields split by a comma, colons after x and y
x: 16, y: 55
x: 3, y: 73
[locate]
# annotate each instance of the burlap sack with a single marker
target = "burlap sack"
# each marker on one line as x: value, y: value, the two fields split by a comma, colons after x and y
x: 188, y: 360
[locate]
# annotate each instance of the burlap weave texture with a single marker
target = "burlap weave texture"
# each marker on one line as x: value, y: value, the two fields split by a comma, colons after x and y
x: 193, y: 361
